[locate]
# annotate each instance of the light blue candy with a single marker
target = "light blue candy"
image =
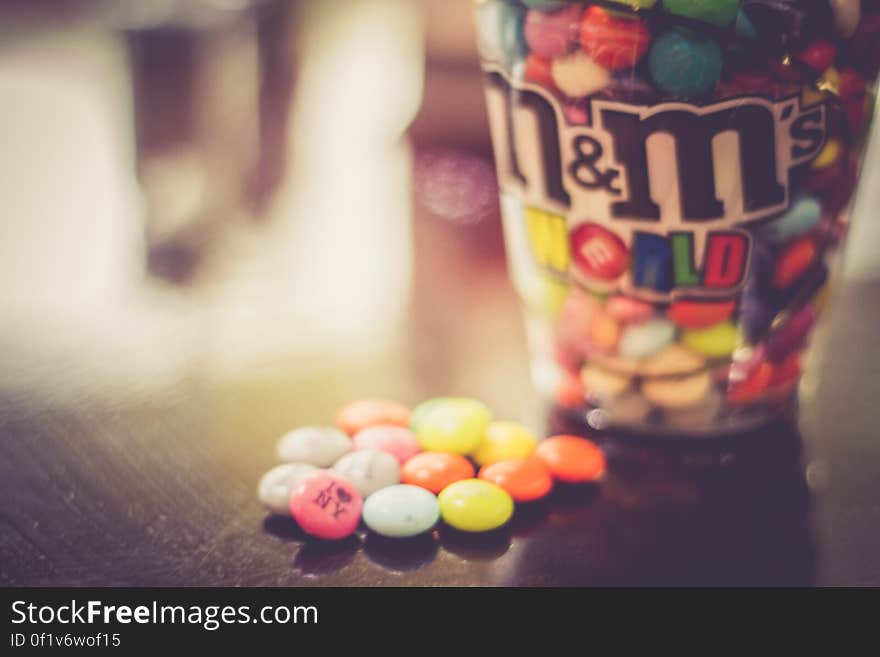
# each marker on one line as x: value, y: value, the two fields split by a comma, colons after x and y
x: 684, y: 63
x: 401, y: 511
x: 800, y: 217
x: 512, y: 20
x: 642, y: 340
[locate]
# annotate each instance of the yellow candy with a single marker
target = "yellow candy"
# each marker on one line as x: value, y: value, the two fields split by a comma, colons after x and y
x: 452, y: 424
x: 829, y: 154
x: 503, y: 441
x: 715, y: 342
x: 576, y: 75
x: 545, y: 295
x: 473, y: 505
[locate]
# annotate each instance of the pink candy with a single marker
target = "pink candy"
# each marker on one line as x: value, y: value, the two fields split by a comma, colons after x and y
x: 400, y: 442
x: 554, y: 33
x: 326, y: 506
x: 627, y: 309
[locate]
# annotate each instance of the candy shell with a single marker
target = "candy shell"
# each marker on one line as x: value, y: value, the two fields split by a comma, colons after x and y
x: 828, y: 156
x: 371, y: 412
x: 551, y: 34
x: 717, y: 341
x: 400, y: 442
x: 275, y: 486
x: 801, y: 216
x: 786, y: 373
x: 716, y: 12
x: 631, y: 408
x: 628, y: 310
x: 699, y: 314
x: 677, y: 393
x: 684, y: 63
x: 454, y: 425
x: 604, y: 332
x: 326, y: 505
x: 319, y: 446
x: 401, y: 511
x: 369, y: 470
x: 434, y: 471
x: 577, y: 76
x: 570, y: 392
x: 846, y: 16
x: 793, y: 262
x: 642, y: 340
x: 576, y: 318
x: 537, y: 70
x: 673, y: 360
x: 545, y: 5
x: 752, y: 387
x: 526, y: 480
x: 505, y: 440
x: 421, y: 411
x: 792, y: 334
x: 571, y: 459
x: 597, y: 252
x: 636, y: 4
x: 819, y: 55
x: 702, y: 414
x: 602, y: 384
x: 473, y: 505
x: 613, y: 41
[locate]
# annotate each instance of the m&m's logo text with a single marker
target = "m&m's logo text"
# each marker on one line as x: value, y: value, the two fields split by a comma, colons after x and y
x: 654, y: 200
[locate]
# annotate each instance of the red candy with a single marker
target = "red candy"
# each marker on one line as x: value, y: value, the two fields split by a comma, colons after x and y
x: 538, y: 71
x: 819, y: 55
x: 598, y: 252
x: 699, y: 314
x: 751, y: 389
x: 612, y: 42
x: 793, y: 262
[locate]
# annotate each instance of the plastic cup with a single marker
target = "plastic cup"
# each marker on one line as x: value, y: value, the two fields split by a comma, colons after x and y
x: 675, y: 178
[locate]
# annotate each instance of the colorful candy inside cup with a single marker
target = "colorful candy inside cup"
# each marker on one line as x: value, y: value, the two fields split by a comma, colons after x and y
x: 685, y: 168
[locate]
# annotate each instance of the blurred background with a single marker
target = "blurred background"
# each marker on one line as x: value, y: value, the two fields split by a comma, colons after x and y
x: 285, y: 203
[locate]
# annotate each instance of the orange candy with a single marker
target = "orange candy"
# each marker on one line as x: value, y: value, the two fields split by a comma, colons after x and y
x: 605, y: 332
x: 571, y: 459
x: 570, y: 392
x: 699, y: 314
x: 793, y: 262
x: 525, y: 480
x: 371, y: 412
x: 435, y: 470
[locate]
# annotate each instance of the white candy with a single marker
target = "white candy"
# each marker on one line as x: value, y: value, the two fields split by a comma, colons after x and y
x: 401, y: 511
x: 576, y: 75
x: 275, y: 486
x: 319, y: 446
x: 847, y: 14
x: 369, y: 470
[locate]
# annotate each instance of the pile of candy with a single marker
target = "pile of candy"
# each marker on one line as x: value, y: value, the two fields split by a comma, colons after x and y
x: 650, y: 50
x: 686, y: 363
x: 400, y: 472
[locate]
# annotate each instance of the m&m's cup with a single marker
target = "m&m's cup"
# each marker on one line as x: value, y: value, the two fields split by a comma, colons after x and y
x: 675, y: 176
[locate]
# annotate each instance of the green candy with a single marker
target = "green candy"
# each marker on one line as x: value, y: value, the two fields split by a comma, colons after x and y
x: 636, y: 4
x: 716, y: 341
x: 717, y: 12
